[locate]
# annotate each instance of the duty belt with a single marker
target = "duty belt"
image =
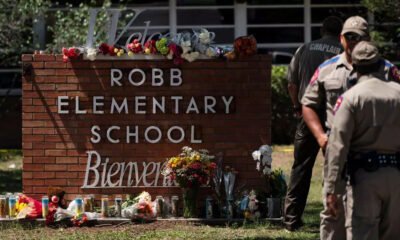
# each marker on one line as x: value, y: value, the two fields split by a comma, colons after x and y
x: 371, y: 161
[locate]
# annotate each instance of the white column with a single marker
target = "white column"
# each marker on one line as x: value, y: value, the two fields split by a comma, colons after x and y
x: 240, y: 19
x: 172, y: 17
x: 307, y: 21
x: 39, y: 33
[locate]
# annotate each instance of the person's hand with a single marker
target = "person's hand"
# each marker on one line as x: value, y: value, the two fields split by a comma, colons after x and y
x: 322, y: 141
x: 332, y: 204
x: 297, y: 111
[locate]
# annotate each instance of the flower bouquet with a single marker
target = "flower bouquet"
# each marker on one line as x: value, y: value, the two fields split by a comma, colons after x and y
x: 190, y: 169
x: 140, y: 208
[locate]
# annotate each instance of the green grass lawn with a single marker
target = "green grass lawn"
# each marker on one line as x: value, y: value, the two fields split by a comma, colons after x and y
x: 282, y: 157
x: 10, y: 171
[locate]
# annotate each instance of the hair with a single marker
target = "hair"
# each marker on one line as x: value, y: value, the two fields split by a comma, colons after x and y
x: 367, y: 69
x: 331, y: 25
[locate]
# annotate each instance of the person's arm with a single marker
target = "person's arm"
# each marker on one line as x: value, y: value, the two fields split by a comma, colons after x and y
x: 337, y: 152
x: 313, y: 122
x: 311, y: 101
x: 294, y: 81
x: 294, y: 96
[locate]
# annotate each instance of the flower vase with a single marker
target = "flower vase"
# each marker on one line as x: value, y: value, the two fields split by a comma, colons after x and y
x: 190, y: 202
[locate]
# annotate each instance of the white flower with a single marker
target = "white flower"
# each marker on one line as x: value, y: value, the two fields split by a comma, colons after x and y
x: 256, y: 155
x: 91, y: 54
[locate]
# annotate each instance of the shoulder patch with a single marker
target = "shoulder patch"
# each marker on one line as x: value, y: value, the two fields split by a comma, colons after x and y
x: 338, y: 103
x: 329, y: 61
x: 388, y: 64
x: 394, y: 71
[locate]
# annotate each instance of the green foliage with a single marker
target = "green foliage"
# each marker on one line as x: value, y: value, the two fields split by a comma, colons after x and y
x: 387, y: 37
x: 391, y: 8
x: 16, y: 24
x: 283, y: 121
x: 277, y: 183
x: 71, y: 25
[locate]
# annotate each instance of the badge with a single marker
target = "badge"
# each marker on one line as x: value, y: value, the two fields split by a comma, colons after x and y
x: 395, y: 73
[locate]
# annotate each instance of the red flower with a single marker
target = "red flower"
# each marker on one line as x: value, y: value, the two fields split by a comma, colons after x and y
x: 150, y: 47
x: 213, y: 165
x: 104, y: 48
x: 70, y: 53
x: 195, y: 165
x: 176, y: 53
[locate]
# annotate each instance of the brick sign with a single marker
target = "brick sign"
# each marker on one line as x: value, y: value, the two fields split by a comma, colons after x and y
x: 107, y: 126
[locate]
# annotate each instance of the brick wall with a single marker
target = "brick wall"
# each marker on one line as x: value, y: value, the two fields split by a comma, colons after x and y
x: 55, y: 145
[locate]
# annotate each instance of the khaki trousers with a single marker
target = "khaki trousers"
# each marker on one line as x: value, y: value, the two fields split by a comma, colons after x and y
x: 333, y: 228
x: 372, y: 205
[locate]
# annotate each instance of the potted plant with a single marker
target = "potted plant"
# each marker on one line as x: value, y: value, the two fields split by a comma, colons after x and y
x: 277, y: 190
x: 275, y: 181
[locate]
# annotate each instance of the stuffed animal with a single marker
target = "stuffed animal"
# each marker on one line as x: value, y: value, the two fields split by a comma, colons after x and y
x: 253, y: 213
x: 244, y: 46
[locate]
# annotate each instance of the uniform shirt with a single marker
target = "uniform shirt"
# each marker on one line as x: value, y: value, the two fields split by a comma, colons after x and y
x: 368, y: 119
x: 308, y: 57
x: 331, y: 80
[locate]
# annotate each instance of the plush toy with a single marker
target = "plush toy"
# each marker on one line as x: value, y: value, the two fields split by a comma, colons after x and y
x: 56, y: 197
x: 253, y: 213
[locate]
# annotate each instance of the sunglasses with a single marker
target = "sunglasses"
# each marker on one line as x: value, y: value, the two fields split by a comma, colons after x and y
x: 353, y: 37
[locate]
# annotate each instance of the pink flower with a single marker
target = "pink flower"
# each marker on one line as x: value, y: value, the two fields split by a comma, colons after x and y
x: 195, y: 165
x: 135, y: 46
x: 213, y: 165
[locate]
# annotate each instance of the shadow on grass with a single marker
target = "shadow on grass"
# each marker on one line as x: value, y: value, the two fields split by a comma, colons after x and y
x: 10, y: 181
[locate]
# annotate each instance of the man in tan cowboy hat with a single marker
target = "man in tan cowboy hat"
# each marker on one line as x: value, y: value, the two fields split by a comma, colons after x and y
x: 331, y: 80
x: 365, y: 136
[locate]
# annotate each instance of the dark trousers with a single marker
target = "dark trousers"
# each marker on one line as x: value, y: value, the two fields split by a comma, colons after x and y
x: 306, y: 149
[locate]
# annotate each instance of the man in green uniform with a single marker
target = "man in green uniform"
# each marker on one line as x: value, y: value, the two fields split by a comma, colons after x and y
x: 365, y: 136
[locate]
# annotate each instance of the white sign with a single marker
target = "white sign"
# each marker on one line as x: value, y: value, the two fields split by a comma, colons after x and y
x: 126, y: 174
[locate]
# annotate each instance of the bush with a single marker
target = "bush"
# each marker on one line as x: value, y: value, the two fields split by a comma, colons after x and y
x: 283, y: 122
